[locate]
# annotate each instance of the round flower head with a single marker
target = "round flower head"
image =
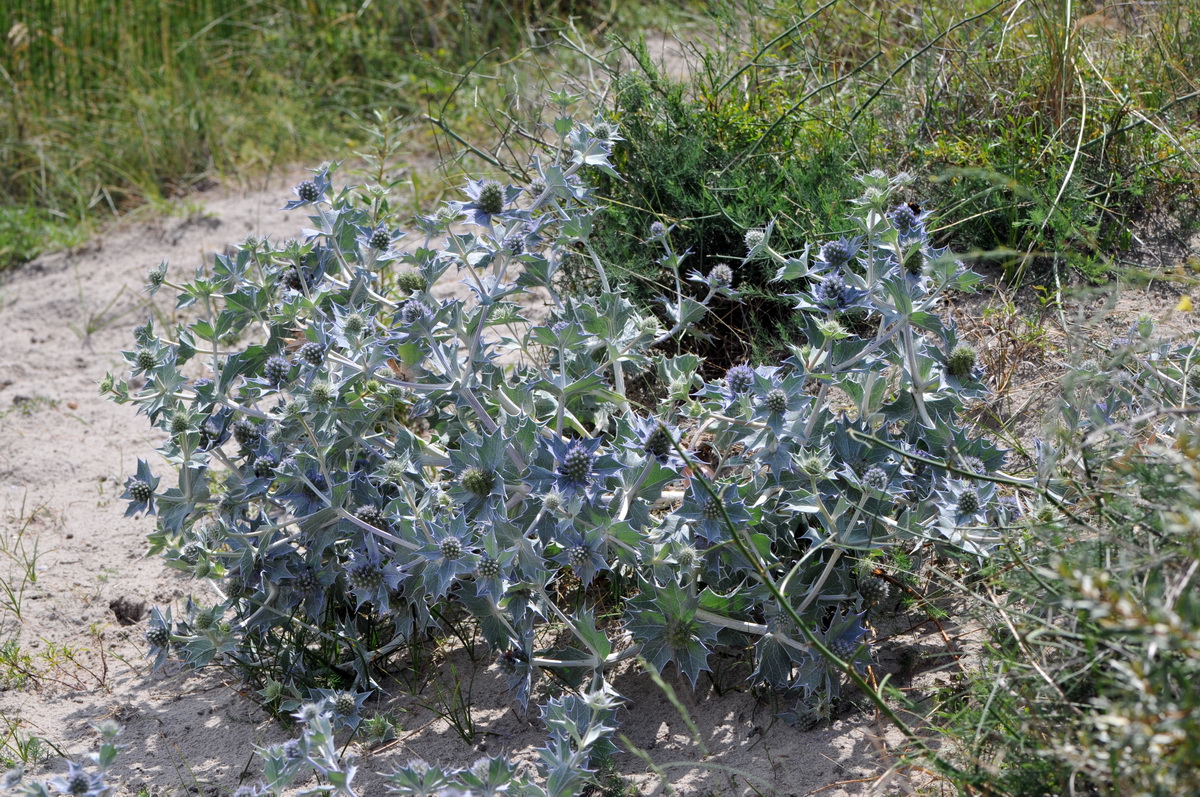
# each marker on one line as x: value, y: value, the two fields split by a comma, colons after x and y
x: 961, y: 361
x: 355, y: 323
x: 776, y: 401
x: 487, y: 567
x: 380, y: 239
x: 875, y: 478
x: 755, y: 241
x: 739, y: 378
x: 658, y: 229
x: 906, y: 220
x: 410, y: 281
x: 721, y: 276
x: 307, y: 191
x: 311, y: 353
x: 837, y: 253
x: 373, y: 516
x: 413, y: 312
x: 479, y: 481
x: 831, y: 291
x: 576, y: 465
x: 276, y: 370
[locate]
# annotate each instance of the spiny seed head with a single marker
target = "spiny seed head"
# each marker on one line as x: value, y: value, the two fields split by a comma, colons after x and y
x: 657, y: 229
x: 306, y: 582
x: 754, y: 240
x: 515, y: 244
x: 312, y: 353
x: 276, y: 369
x: 393, y: 471
x: 687, y: 556
x: 961, y: 361
x: 491, y: 197
x: 552, y: 501
x: 451, y: 548
x: 578, y: 555
x: 488, y: 567
x: 380, y: 239
x: 776, y: 401
x: 180, y: 422
x: 739, y: 378
x: 603, y: 131
x: 975, y: 464
x: 873, y: 589
x: 413, y: 312
x: 831, y: 291
x: 373, y: 516
x: 875, y: 478
x: 721, y: 276
x: 79, y: 784
x: 190, y: 553
x: 410, y: 281
x: 158, y: 636
x: 444, y: 214
x: 355, y: 324
x: 156, y: 275
x: 345, y: 704
x: 321, y: 393
x: 576, y: 465
x: 659, y: 443
x: 712, y: 507
x: 145, y: 359
x: 366, y: 576
x: 245, y: 432
x: 264, y: 466
x: 968, y: 502
x: 835, y: 253
x: 307, y: 191
x: 843, y: 648
x: 140, y: 491
x: 292, y: 749
x: 205, y: 619
x: 537, y: 186
x: 479, y: 481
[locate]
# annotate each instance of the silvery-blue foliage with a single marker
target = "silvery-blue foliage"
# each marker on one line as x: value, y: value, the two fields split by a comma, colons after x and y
x: 355, y: 452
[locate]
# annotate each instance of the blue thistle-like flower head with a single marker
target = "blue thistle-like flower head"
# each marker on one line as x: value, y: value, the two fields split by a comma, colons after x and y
x: 312, y: 191
x: 830, y: 291
x: 574, y: 467
x: 488, y: 198
x: 739, y: 379
x: 140, y: 489
x: 838, y: 254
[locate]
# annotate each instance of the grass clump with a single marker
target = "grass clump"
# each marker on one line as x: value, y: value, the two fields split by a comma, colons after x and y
x: 111, y: 106
x: 1090, y: 682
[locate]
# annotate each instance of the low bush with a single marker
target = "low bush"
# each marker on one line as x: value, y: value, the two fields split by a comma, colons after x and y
x: 355, y: 471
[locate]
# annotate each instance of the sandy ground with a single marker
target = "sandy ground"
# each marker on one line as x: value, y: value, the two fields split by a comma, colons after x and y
x: 66, y: 548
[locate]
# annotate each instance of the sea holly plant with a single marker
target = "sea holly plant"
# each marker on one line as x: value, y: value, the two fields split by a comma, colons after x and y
x: 352, y: 454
